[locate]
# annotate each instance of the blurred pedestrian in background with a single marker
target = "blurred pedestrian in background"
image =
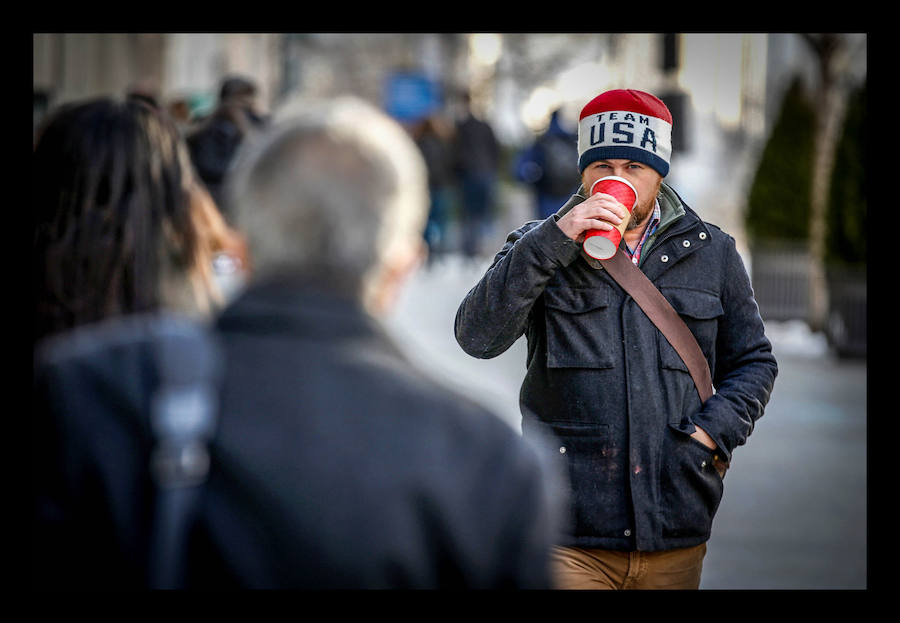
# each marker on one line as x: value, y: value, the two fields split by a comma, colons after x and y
x: 121, y: 225
x: 216, y: 139
x: 477, y: 160
x: 334, y: 462
x: 435, y: 142
x: 549, y: 166
x: 646, y: 456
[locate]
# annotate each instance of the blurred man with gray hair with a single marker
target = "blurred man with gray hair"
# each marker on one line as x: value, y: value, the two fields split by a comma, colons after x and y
x: 336, y: 463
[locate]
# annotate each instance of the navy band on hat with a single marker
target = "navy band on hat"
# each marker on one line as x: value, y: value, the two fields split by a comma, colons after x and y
x: 628, y: 153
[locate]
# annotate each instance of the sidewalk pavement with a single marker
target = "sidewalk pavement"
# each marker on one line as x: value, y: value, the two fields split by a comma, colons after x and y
x: 794, y: 515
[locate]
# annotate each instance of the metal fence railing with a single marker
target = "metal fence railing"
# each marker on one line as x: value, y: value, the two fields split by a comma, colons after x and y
x: 780, y: 275
x: 781, y: 279
x: 847, y: 317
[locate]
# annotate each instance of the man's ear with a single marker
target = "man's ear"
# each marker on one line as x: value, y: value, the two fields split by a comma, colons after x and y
x: 386, y: 284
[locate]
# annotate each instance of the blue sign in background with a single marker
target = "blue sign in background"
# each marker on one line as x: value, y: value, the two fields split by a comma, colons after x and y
x: 410, y: 96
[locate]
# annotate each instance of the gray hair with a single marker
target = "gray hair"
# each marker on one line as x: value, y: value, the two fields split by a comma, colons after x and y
x: 332, y: 189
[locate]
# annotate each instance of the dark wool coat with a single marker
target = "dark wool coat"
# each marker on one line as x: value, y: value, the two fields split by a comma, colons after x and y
x: 602, y: 378
x: 335, y: 464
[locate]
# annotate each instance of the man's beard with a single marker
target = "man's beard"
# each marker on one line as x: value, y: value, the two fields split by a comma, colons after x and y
x: 641, y: 211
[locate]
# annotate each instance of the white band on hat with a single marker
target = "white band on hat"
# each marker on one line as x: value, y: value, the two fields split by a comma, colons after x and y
x: 624, y: 129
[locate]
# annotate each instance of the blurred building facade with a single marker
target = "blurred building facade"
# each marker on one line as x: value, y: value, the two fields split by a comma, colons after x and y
x: 724, y: 89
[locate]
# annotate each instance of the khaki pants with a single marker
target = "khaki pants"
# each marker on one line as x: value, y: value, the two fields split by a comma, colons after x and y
x: 579, y: 568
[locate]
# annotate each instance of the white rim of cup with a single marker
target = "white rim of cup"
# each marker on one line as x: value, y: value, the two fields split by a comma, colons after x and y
x: 620, y: 179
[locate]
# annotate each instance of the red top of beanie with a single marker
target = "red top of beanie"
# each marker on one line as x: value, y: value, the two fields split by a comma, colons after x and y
x: 630, y: 100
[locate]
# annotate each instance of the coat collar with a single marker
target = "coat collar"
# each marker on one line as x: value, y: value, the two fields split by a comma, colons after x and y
x: 297, y: 305
x: 680, y: 235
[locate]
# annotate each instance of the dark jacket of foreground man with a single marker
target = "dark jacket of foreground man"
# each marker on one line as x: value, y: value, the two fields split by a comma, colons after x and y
x: 335, y: 463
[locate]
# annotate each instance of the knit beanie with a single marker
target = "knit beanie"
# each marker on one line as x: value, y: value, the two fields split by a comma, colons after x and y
x: 624, y: 123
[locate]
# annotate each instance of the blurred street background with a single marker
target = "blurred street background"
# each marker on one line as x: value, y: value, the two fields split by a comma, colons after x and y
x: 768, y: 144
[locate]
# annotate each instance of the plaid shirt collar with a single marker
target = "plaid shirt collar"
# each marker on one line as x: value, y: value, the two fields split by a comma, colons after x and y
x: 648, y: 231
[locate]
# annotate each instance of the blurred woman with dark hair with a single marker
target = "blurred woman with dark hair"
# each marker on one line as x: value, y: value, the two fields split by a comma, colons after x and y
x: 122, y: 225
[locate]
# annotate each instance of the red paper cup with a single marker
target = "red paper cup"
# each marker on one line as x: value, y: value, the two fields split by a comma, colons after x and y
x: 600, y: 243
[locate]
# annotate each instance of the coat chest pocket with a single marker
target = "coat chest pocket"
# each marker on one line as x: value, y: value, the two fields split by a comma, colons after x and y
x: 700, y: 310
x: 580, y: 327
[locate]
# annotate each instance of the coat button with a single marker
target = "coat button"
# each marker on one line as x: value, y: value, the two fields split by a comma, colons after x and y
x: 627, y: 532
x: 686, y: 243
x: 664, y: 258
x: 703, y: 464
x: 562, y: 449
x: 702, y: 235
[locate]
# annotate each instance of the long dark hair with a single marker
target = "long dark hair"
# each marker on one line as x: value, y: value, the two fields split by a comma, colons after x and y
x: 112, y: 190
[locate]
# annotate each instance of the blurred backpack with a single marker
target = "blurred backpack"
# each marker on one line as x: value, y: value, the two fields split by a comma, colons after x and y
x: 558, y: 159
x: 124, y: 410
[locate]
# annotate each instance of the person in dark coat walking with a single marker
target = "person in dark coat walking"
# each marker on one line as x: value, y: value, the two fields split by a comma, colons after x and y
x: 646, y: 460
x: 549, y: 167
x: 334, y: 462
x: 477, y: 160
x: 435, y: 142
x: 215, y: 141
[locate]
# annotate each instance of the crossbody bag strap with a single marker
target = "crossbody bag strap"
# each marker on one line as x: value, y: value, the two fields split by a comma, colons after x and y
x: 663, y: 315
x: 183, y: 420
